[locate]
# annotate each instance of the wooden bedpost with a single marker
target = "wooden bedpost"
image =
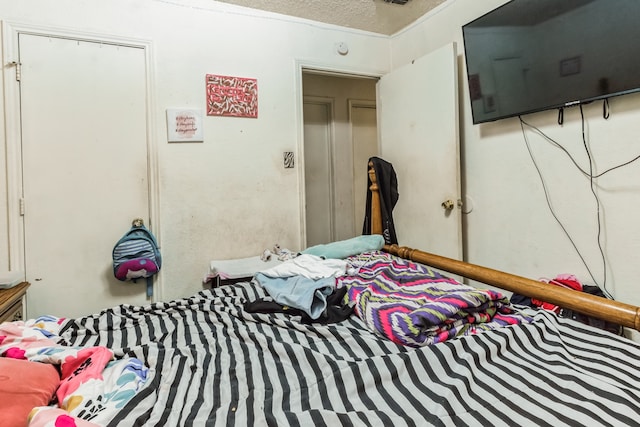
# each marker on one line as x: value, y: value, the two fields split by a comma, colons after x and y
x: 602, y: 308
x: 376, y: 207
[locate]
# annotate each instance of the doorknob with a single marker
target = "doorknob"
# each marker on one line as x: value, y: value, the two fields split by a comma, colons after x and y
x: 448, y: 204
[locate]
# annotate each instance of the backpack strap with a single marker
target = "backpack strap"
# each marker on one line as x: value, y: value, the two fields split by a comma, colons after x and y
x: 150, y: 286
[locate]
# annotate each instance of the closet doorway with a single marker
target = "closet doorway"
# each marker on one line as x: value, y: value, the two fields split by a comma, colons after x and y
x: 418, y: 132
x: 340, y: 135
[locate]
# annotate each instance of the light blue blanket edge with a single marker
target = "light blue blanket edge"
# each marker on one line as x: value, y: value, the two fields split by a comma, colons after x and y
x: 345, y: 248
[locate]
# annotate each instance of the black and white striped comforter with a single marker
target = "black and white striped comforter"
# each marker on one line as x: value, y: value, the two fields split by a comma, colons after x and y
x: 214, y: 364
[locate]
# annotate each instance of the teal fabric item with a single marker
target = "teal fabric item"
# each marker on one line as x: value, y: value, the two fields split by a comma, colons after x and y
x: 345, y: 248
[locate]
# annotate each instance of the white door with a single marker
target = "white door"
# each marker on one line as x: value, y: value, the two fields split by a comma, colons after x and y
x: 318, y: 172
x: 85, y: 169
x: 364, y: 136
x: 418, y: 126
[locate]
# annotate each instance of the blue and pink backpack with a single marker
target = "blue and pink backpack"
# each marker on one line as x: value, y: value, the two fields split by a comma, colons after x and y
x: 136, y: 255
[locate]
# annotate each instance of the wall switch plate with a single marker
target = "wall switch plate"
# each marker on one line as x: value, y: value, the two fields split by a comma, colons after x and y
x: 288, y: 160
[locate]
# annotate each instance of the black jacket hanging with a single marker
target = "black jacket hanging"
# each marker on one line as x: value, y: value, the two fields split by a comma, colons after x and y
x: 388, y: 190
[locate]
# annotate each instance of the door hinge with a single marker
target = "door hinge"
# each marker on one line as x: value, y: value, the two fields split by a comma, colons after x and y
x: 18, y: 66
x: 21, y: 206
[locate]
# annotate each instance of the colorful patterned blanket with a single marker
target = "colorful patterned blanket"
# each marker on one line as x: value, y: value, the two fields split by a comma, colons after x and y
x: 93, y: 386
x: 414, y: 305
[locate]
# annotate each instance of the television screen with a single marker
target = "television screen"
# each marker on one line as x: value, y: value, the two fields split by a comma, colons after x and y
x: 533, y: 55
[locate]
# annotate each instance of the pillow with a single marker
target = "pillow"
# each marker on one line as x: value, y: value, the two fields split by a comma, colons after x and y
x: 23, y: 386
x: 345, y: 248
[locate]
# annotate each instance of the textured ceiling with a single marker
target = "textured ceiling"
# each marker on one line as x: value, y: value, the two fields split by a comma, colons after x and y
x: 376, y: 16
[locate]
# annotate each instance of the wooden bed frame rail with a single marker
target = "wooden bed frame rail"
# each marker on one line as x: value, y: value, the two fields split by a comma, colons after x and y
x: 602, y: 308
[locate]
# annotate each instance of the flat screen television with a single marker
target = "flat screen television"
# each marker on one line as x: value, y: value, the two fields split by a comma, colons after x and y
x: 533, y: 55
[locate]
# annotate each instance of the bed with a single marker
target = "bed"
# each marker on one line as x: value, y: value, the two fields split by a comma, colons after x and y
x: 212, y: 359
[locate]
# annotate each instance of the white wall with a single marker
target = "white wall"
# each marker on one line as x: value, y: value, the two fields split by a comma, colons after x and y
x: 511, y: 227
x: 229, y: 196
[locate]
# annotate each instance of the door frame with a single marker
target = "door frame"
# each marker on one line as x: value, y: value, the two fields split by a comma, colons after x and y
x: 13, y: 134
x: 301, y: 67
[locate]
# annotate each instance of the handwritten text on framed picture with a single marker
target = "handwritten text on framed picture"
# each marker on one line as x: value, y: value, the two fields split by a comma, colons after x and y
x: 184, y: 125
x: 232, y: 96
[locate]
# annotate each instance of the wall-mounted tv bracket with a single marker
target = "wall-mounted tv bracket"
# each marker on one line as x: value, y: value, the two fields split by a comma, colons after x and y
x: 605, y: 111
x: 560, y: 116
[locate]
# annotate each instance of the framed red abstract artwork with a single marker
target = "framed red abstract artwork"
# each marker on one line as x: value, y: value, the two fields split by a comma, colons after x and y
x: 232, y: 96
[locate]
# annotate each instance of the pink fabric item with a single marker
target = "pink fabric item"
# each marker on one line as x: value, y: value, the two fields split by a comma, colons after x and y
x: 568, y: 281
x: 23, y: 386
x: 46, y: 417
x: 88, y: 364
x: 15, y: 353
x: 136, y: 268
